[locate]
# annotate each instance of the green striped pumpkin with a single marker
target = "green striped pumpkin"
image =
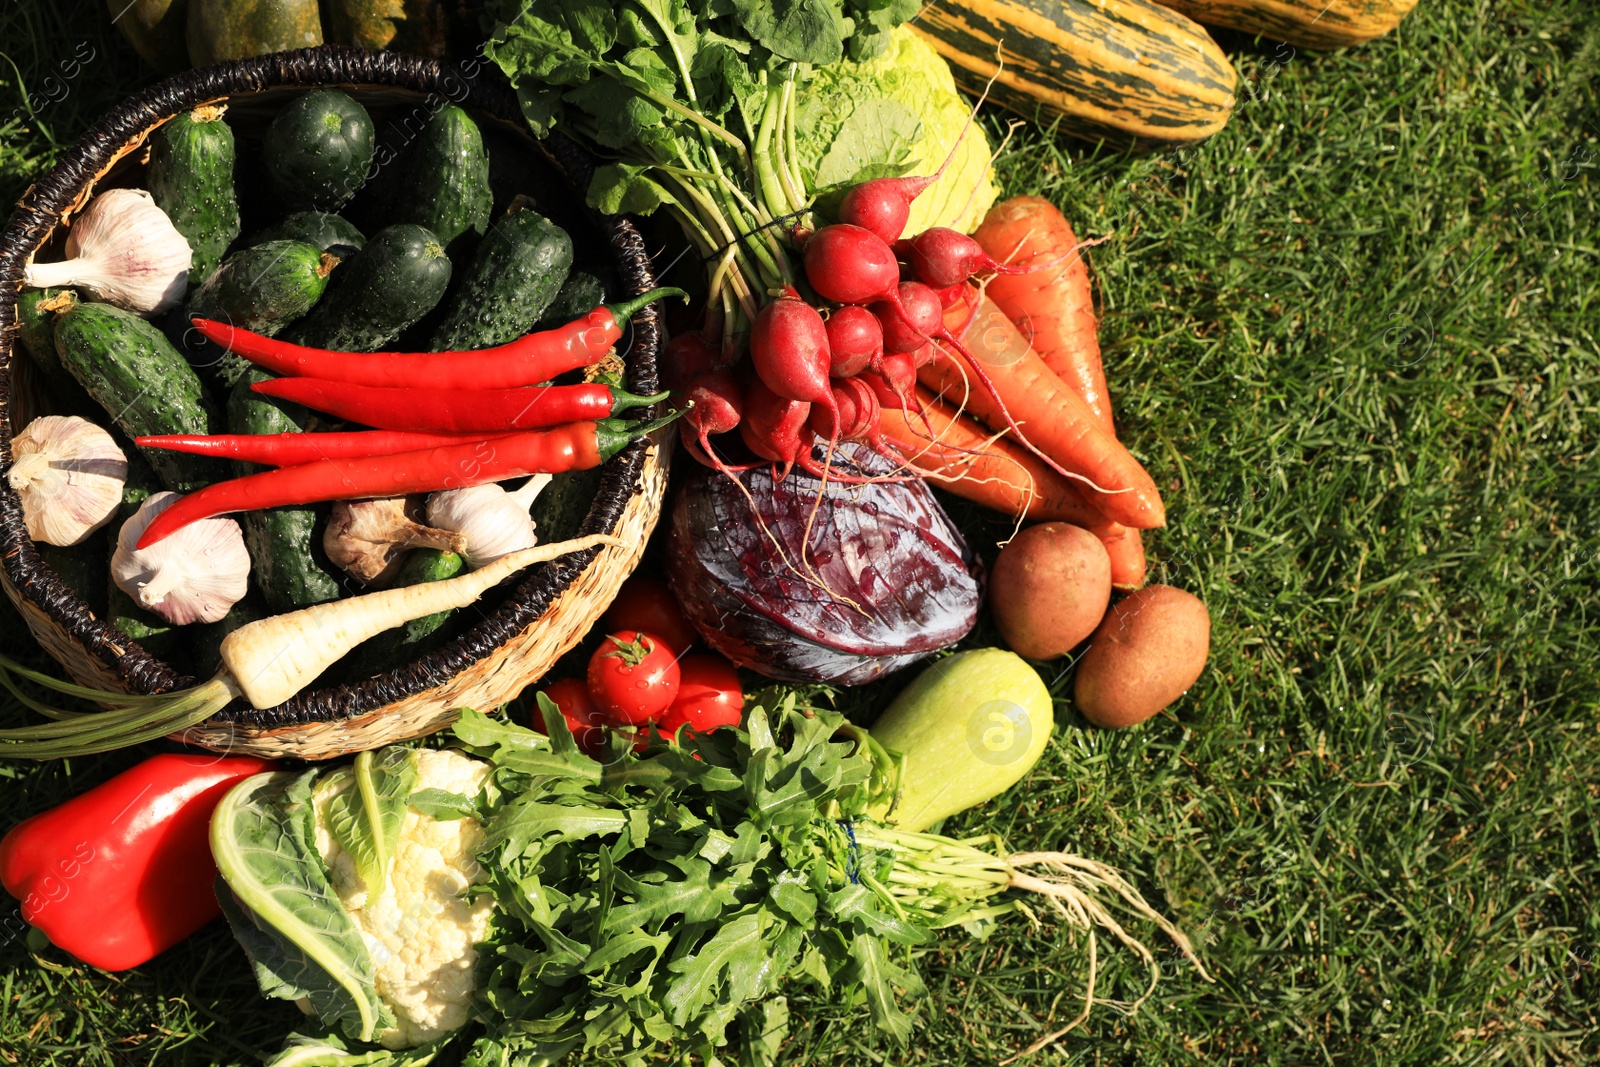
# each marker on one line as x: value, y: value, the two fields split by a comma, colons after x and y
x: 1315, y: 24
x: 1114, y: 70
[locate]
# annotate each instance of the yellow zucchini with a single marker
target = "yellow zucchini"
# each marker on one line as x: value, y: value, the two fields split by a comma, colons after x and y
x: 1114, y: 70
x: 1316, y: 24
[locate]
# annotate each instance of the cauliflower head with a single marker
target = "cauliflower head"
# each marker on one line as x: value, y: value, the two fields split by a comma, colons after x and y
x: 423, y: 927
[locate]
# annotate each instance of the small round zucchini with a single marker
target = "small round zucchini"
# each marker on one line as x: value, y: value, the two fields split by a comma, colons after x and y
x: 970, y: 727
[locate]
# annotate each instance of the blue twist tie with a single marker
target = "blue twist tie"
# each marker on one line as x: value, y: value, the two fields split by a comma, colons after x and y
x: 852, y: 863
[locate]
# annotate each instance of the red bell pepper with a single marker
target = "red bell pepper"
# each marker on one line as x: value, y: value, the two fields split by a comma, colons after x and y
x: 124, y: 872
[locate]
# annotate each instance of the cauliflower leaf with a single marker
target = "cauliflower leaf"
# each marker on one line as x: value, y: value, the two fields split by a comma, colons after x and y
x: 283, y: 908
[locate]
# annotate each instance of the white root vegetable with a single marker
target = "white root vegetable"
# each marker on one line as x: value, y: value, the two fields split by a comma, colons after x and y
x: 266, y: 662
x: 273, y: 659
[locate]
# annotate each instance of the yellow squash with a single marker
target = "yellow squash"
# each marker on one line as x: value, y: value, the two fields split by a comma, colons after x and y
x: 1114, y: 70
x: 1317, y: 24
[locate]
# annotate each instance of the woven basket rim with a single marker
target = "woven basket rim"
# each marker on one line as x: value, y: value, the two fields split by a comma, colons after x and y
x: 61, y: 191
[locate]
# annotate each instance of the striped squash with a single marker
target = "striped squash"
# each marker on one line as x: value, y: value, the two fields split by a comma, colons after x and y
x: 1315, y: 24
x: 1114, y: 70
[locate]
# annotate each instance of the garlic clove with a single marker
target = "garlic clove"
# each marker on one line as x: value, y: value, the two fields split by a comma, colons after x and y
x: 69, y: 473
x: 368, y: 539
x: 123, y: 250
x: 491, y: 521
x: 195, y: 575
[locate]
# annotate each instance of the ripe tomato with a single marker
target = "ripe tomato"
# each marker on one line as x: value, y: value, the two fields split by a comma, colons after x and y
x: 584, y: 720
x: 709, y: 695
x: 645, y: 603
x: 633, y: 678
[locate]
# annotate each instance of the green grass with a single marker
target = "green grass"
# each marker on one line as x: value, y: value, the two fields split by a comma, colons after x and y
x: 1353, y: 336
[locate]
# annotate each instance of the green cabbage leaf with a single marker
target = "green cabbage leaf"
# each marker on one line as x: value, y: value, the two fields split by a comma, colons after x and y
x: 898, y: 113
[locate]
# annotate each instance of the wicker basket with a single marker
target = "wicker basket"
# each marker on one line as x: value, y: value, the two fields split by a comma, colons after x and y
x: 553, y: 605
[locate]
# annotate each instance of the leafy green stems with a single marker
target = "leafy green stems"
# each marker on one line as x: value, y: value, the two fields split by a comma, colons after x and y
x: 129, y: 719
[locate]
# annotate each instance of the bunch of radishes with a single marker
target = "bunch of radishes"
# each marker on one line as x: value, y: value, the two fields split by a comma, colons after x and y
x: 824, y: 368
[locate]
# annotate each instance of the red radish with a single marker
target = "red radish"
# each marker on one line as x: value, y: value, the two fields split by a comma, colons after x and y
x: 789, y: 350
x: 715, y: 406
x: 943, y: 257
x: 924, y: 355
x: 883, y: 205
x: 837, y: 423
x: 895, y: 381
x: 851, y: 265
x: 774, y: 426
x: 855, y: 341
x: 918, y: 318
x: 687, y: 356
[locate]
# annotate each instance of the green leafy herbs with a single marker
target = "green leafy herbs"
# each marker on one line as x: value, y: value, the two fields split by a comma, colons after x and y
x: 672, y: 900
x: 367, y: 807
x: 696, y: 105
x: 277, y: 897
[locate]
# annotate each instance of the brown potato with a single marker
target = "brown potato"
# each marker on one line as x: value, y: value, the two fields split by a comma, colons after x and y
x: 1146, y: 654
x: 1049, y: 589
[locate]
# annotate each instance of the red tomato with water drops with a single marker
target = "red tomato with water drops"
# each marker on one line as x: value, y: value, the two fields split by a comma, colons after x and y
x: 709, y: 696
x: 645, y: 603
x: 584, y: 720
x: 633, y: 678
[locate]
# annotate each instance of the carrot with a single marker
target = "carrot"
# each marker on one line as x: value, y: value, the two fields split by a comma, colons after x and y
x: 993, y: 472
x: 1052, y: 420
x: 1125, y: 546
x: 1052, y: 305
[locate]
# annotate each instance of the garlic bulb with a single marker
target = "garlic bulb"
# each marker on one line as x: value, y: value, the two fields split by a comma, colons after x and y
x: 369, y: 538
x: 69, y: 474
x: 195, y: 575
x: 491, y: 521
x: 122, y: 250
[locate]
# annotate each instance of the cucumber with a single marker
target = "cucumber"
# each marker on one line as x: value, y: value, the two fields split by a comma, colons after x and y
x: 426, y: 565
x: 128, y: 367
x: 329, y: 232
x: 390, y: 284
x: 444, y: 182
x: 518, y: 270
x: 561, y: 507
x: 285, y: 548
x: 191, y: 179
x: 37, y: 310
x: 388, y: 651
x: 580, y: 294
x: 262, y: 289
x: 319, y: 148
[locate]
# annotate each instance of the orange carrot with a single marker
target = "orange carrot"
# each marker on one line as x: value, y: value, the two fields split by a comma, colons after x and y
x: 1053, y: 308
x: 1009, y: 384
x: 991, y: 471
x: 1051, y: 305
x: 1125, y: 546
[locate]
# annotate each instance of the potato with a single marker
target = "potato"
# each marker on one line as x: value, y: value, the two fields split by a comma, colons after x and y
x: 1146, y: 654
x: 1049, y: 589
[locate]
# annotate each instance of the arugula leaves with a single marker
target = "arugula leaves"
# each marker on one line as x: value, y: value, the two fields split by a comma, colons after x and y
x: 673, y: 899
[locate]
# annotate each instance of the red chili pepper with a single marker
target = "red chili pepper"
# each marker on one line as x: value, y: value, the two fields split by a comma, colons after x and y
x: 124, y: 871
x: 577, y: 447
x: 529, y: 360
x: 456, y: 410
x: 293, y: 449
